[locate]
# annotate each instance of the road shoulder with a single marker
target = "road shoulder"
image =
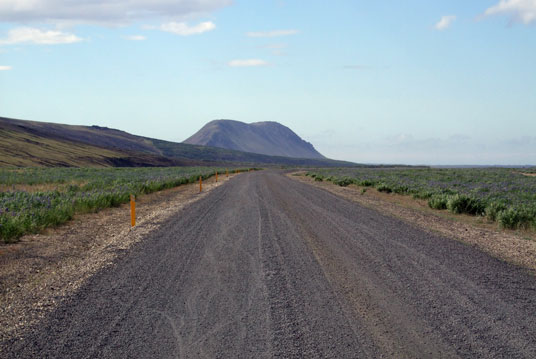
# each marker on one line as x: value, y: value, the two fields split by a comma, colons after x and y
x: 41, y: 270
x: 518, y: 248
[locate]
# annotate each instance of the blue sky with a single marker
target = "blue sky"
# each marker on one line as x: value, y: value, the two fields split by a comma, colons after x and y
x: 415, y: 82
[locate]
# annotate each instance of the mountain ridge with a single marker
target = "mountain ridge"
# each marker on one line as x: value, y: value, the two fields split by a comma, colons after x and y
x: 31, y: 143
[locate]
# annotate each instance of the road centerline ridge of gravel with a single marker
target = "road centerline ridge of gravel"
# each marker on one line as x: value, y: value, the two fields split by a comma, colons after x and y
x: 264, y: 266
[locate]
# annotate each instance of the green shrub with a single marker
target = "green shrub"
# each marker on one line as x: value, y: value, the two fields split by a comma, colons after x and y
x: 494, y: 209
x: 460, y: 203
x: 319, y: 178
x: 367, y: 183
x: 513, y: 218
x: 438, y: 202
x: 382, y: 187
x: 10, y: 229
x: 343, y: 181
x: 509, y: 218
x: 401, y: 189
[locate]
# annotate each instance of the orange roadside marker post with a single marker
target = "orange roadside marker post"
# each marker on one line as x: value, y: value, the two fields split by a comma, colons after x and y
x: 216, y: 176
x: 200, y: 183
x: 132, y: 211
x: 226, y: 173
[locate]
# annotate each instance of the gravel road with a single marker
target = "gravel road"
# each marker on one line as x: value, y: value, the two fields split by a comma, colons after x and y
x: 266, y: 267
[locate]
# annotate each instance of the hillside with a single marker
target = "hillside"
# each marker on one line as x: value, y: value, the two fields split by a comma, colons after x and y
x: 21, y: 149
x: 31, y: 143
x: 268, y: 138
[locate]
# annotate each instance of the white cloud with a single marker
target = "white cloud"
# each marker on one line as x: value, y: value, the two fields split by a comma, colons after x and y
x: 5, y: 68
x: 247, y: 63
x: 182, y: 29
x: 136, y: 37
x: 103, y: 11
x: 31, y: 35
x: 520, y: 10
x: 274, y: 33
x: 445, y: 22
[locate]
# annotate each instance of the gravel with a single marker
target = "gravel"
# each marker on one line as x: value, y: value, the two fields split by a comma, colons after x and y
x: 264, y: 266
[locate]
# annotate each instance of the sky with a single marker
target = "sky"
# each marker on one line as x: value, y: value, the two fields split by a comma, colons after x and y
x: 413, y: 82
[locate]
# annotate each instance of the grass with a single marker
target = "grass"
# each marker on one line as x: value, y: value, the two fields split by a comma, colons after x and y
x: 501, y: 195
x: 78, y: 190
x: 23, y: 149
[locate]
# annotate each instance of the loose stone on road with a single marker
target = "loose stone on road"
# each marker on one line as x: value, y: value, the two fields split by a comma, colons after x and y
x: 264, y: 266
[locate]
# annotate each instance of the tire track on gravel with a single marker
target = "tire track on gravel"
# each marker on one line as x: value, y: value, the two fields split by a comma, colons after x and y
x: 266, y: 267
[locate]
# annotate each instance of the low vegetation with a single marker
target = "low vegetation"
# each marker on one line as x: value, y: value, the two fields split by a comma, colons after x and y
x: 32, y: 199
x: 502, y: 195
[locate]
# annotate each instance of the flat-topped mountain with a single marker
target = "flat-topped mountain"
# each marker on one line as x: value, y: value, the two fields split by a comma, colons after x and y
x: 268, y: 138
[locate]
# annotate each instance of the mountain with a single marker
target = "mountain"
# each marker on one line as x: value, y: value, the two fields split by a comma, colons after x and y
x: 267, y: 138
x: 31, y: 143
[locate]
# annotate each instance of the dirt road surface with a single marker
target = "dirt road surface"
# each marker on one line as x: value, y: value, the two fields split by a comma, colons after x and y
x: 264, y: 266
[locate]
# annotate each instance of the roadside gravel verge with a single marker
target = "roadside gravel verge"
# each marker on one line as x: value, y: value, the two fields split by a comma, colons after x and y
x: 41, y: 270
x: 515, y: 248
